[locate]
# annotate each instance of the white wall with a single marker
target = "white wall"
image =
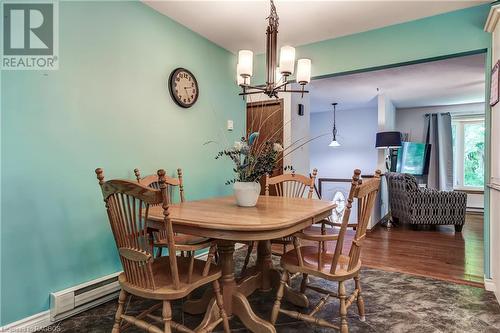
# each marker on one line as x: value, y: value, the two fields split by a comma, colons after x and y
x: 356, y: 134
x: 411, y: 120
x: 300, y: 132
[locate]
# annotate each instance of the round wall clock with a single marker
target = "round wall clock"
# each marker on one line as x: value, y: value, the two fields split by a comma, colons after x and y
x: 183, y: 87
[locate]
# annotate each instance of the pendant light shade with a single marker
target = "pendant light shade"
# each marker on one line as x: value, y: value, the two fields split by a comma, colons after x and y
x: 287, y: 60
x: 304, y: 71
x: 334, y: 143
x: 245, y: 62
x: 240, y: 79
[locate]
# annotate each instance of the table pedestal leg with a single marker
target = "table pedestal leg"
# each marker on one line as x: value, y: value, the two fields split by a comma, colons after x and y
x: 265, y: 263
x: 234, y: 295
x: 228, y: 283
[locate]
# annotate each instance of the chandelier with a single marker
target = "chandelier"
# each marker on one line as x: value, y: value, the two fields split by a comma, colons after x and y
x: 276, y: 77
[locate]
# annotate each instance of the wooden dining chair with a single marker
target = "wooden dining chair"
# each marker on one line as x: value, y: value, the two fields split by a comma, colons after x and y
x: 290, y: 185
x: 164, y: 279
x: 333, y: 266
x: 160, y: 237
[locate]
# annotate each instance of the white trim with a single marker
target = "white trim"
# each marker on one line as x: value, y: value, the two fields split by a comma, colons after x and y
x: 41, y: 320
x: 29, y: 324
x: 489, y: 284
x: 492, y: 20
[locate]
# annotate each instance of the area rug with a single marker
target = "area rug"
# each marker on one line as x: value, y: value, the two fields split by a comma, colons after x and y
x: 394, y: 302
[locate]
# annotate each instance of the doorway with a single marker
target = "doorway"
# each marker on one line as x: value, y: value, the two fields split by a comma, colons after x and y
x: 410, y: 92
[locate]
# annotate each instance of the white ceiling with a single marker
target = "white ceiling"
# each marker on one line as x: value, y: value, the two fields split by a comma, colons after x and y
x: 444, y: 82
x: 235, y: 24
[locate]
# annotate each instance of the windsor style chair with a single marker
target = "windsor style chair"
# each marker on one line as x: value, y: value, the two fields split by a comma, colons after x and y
x: 168, y: 278
x: 336, y: 266
x: 160, y: 237
x: 287, y: 185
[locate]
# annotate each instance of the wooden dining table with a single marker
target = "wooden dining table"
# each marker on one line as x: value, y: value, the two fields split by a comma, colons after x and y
x: 221, y: 219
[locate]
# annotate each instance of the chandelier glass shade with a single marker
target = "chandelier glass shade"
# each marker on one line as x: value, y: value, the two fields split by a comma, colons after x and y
x: 277, y: 73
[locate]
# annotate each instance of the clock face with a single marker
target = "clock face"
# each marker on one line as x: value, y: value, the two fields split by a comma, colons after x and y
x: 183, y: 87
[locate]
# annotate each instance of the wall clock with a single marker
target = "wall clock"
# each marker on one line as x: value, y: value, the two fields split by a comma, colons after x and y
x: 183, y: 87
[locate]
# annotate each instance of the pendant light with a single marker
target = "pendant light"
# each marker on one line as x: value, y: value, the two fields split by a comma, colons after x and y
x: 334, y: 142
x: 278, y: 73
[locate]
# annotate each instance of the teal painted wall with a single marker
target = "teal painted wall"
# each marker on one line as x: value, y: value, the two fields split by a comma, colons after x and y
x: 107, y: 106
x: 453, y: 33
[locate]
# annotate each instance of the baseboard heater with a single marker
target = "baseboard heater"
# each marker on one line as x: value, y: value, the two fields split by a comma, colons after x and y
x: 68, y: 302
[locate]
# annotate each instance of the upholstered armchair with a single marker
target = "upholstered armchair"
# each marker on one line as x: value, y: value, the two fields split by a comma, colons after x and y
x: 415, y: 205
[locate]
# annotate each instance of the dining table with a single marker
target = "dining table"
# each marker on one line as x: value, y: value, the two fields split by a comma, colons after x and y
x: 222, y: 220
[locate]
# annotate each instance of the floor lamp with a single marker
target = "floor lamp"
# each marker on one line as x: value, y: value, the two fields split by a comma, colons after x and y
x: 388, y: 141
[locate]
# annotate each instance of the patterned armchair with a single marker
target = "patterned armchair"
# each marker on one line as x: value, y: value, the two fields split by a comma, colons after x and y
x: 412, y: 204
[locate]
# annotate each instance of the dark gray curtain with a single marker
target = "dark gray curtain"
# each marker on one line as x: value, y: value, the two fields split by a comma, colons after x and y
x: 438, y: 134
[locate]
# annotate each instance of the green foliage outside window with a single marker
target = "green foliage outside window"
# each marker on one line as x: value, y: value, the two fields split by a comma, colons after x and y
x: 474, y: 155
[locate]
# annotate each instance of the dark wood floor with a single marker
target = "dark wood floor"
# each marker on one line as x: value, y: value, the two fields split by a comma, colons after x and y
x: 438, y: 252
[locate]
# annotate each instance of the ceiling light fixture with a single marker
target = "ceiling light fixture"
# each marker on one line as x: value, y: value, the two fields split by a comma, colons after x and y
x: 274, y: 83
x: 334, y: 142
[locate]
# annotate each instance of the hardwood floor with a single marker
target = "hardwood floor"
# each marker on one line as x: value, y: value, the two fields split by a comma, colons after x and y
x: 437, y: 252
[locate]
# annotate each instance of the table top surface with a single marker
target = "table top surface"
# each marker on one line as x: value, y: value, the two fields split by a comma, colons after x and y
x: 222, y: 213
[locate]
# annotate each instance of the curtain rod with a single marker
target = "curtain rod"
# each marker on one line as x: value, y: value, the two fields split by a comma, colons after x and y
x: 438, y: 113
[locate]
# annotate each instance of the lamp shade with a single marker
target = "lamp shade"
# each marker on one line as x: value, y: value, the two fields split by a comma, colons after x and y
x: 303, y: 71
x: 240, y: 80
x: 245, y: 62
x: 334, y: 143
x: 287, y: 60
x: 388, y: 139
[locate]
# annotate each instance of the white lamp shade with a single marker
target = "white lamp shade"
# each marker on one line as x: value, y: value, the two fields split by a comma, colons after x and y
x: 287, y: 60
x: 334, y: 143
x: 240, y: 79
x: 304, y: 71
x: 278, y: 76
x: 245, y: 61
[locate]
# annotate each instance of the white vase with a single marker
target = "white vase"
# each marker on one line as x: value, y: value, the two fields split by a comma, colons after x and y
x: 246, y: 193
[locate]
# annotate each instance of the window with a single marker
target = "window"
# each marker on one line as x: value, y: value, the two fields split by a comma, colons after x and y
x: 468, y: 152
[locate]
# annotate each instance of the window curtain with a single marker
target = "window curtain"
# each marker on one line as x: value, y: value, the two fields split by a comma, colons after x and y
x: 439, y: 135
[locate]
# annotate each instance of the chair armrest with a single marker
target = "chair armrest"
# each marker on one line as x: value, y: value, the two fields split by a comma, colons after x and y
x: 317, y: 238
x: 134, y: 254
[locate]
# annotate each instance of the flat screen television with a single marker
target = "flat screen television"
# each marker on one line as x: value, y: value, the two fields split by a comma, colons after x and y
x: 413, y: 158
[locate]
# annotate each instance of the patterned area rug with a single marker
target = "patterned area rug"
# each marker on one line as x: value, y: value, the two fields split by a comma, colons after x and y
x: 394, y: 303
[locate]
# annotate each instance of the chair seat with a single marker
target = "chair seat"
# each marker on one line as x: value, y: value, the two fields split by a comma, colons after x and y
x: 289, y: 261
x: 163, y: 279
x: 183, y: 239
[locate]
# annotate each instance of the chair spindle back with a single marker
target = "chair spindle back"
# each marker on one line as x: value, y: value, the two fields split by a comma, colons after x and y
x: 171, y: 183
x: 292, y: 185
x: 127, y: 205
x: 152, y: 181
x: 366, y: 193
x: 365, y: 190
